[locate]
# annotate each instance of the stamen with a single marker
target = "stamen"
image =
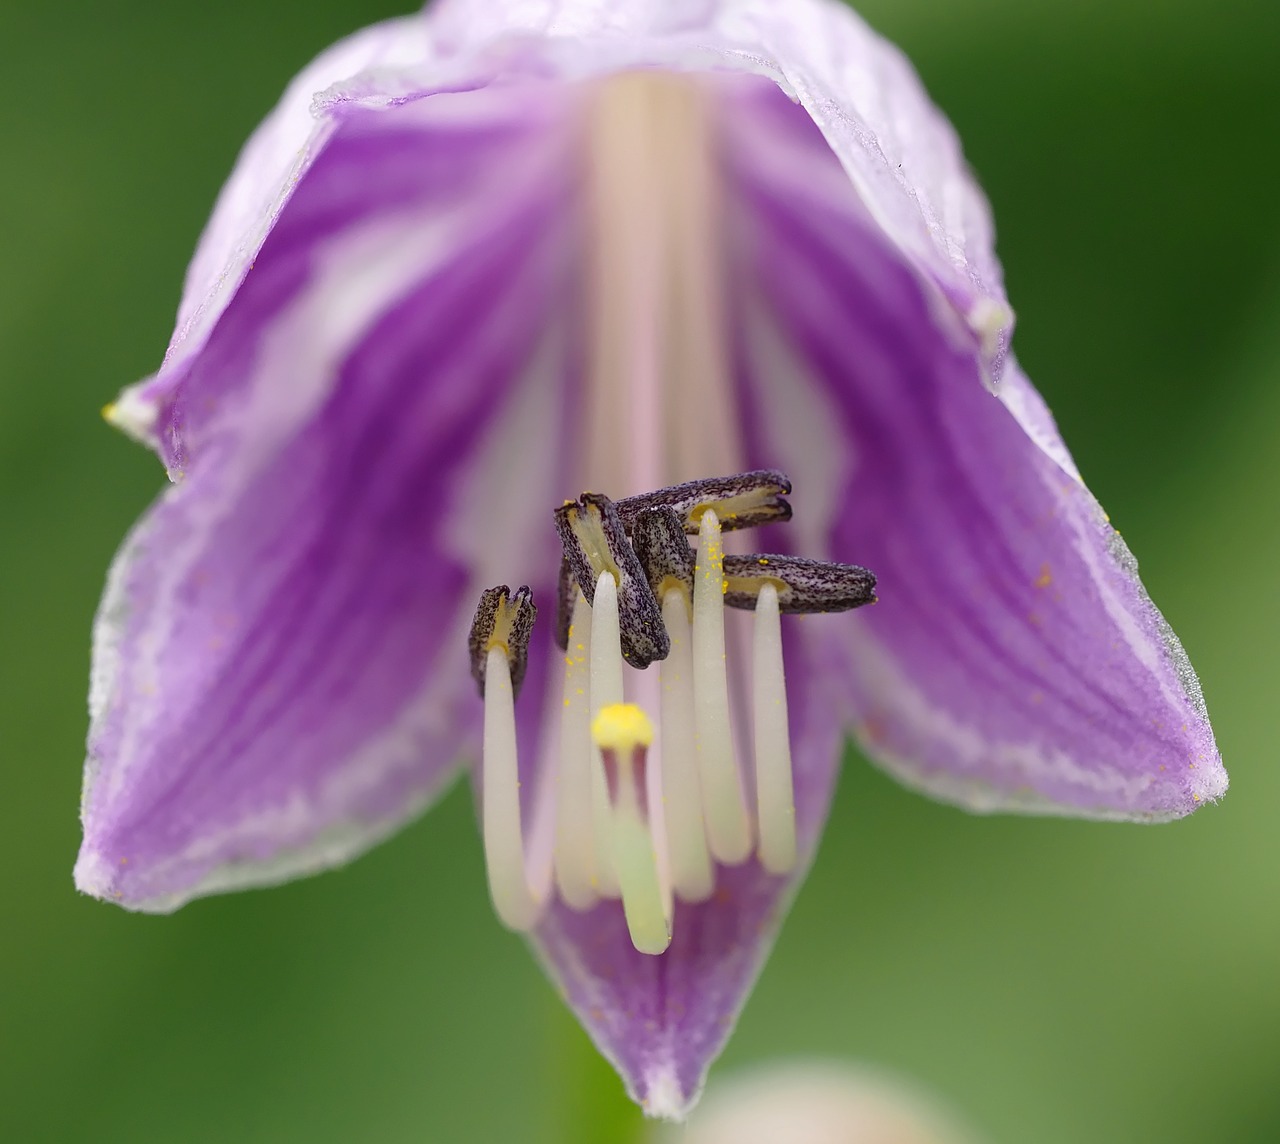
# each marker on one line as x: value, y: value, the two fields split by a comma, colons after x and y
x: 606, y: 690
x: 632, y: 590
x: 728, y: 829
x: 623, y: 733
x: 606, y: 654
x: 803, y: 586
x: 657, y: 535
x: 499, y: 650
x: 741, y: 501
x: 567, y: 594
x: 595, y: 541
x: 506, y: 620
x: 775, y: 794
x: 692, y: 875
x: 576, y: 783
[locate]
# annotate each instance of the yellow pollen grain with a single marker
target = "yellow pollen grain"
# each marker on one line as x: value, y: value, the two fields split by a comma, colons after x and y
x: 1045, y: 578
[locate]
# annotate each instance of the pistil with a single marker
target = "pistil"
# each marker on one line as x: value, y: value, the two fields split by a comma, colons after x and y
x: 623, y: 733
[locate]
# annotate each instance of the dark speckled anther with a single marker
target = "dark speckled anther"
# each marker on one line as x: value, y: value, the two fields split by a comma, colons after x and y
x: 741, y: 501
x: 658, y: 536
x: 804, y: 586
x: 502, y: 620
x: 595, y: 540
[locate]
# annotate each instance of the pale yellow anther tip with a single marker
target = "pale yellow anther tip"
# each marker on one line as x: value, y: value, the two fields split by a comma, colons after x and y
x: 621, y: 727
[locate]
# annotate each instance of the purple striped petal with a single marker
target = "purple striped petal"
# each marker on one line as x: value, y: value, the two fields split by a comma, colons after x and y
x: 273, y: 161
x: 1014, y: 661
x: 274, y: 684
x: 661, y: 1021
x: 900, y: 154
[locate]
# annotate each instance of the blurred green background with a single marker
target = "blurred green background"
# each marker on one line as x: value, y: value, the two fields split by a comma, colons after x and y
x: 1058, y: 981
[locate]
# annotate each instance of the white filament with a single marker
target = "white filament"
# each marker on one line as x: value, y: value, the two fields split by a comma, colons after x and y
x: 575, y: 848
x: 605, y: 658
x: 606, y: 646
x: 513, y: 902
x: 775, y: 795
x: 728, y: 828
x: 692, y: 875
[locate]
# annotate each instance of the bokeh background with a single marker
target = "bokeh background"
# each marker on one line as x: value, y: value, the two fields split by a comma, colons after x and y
x: 1057, y: 981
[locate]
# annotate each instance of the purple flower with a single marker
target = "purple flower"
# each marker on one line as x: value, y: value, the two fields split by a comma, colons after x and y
x: 480, y: 260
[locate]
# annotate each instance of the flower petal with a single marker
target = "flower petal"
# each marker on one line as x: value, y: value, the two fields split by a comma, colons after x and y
x: 1014, y: 661
x: 662, y: 1020
x: 275, y: 686
x: 899, y: 152
x: 271, y: 164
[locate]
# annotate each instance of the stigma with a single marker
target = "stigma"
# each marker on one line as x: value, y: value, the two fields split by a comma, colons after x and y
x: 650, y: 804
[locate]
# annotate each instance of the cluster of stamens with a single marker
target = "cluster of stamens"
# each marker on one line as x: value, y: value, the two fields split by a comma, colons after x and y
x: 645, y: 814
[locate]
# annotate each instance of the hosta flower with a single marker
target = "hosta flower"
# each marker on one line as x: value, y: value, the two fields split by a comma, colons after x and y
x: 481, y: 261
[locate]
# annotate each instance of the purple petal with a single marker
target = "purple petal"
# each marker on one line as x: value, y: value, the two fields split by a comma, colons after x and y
x: 1014, y: 661
x: 866, y: 340
x: 662, y: 1020
x: 275, y: 686
x: 271, y: 164
x: 897, y: 150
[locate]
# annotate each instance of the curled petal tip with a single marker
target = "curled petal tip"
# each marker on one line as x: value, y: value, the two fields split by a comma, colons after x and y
x: 96, y: 877
x: 664, y: 1098
x: 134, y: 415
